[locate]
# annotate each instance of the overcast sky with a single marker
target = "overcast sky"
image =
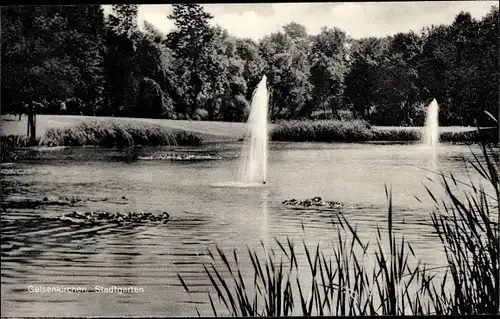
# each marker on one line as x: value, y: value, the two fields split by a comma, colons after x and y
x: 357, y: 19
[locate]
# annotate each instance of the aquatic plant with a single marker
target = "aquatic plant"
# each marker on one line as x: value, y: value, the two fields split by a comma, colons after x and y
x: 486, y: 136
x: 182, y: 157
x: 315, y: 202
x: 468, y: 228
x: 322, y: 131
x: 110, y: 133
x: 93, y: 218
x: 396, y: 134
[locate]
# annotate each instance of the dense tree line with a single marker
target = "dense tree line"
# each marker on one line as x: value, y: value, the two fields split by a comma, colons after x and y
x: 74, y: 60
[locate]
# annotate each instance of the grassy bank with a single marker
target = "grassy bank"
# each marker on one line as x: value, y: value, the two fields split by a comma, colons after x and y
x: 298, y: 131
x: 105, y: 133
x: 361, y: 279
x: 206, y: 129
x: 361, y: 131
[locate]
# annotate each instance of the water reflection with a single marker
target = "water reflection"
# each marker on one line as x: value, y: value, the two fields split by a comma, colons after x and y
x: 434, y: 163
x: 265, y: 226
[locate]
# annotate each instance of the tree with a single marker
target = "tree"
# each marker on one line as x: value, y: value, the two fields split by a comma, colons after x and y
x: 463, y: 73
x: 154, y: 33
x: 329, y: 66
x: 287, y: 72
x: 489, y: 73
x: 254, y: 64
x: 73, y: 56
x: 153, y: 103
x: 438, y: 53
x: 214, y: 76
x: 361, y: 79
x: 234, y: 105
x: 153, y: 64
x: 85, y: 47
x: 189, y: 44
x: 475, y: 71
x: 125, y: 19
x: 295, y: 31
x: 49, y: 56
x: 398, y: 95
x: 121, y: 84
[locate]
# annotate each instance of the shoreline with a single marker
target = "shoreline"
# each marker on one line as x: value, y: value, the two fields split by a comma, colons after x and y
x: 60, y: 132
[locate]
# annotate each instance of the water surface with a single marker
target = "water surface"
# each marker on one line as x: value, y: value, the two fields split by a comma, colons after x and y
x: 38, y: 250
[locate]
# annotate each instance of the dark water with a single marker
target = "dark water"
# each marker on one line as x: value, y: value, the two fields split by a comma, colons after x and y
x: 40, y: 250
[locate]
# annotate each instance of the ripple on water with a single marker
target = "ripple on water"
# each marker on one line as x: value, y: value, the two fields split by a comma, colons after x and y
x: 38, y: 249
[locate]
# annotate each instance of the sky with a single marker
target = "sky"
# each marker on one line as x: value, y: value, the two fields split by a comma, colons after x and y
x: 357, y: 19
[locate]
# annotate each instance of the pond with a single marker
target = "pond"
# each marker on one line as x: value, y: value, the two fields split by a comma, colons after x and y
x: 38, y: 251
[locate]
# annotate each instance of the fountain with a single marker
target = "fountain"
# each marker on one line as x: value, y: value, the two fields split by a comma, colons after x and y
x: 253, y: 168
x: 430, y: 134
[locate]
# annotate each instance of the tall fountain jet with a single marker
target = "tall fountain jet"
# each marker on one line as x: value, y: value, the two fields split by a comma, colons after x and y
x: 253, y: 168
x: 430, y: 134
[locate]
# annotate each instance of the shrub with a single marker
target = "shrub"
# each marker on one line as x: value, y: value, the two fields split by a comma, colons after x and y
x: 396, y: 134
x: 488, y: 136
x: 361, y: 131
x: 322, y: 131
x: 109, y: 133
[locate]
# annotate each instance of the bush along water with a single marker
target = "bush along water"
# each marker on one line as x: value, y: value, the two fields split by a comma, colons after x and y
x: 384, y: 280
x: 98, y: 133
x: 322, y: 131
x: 117, y: 134
x: 361, y: 131
x: 8, y: 145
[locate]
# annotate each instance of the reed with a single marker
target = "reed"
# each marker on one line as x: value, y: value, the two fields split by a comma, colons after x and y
x: 351, y: 279
x: 322, y: 131
x: 361, y: 131
x: 467, y: 225
x: 396, y: 134
x: 480, y: 136
x: 109, y: 133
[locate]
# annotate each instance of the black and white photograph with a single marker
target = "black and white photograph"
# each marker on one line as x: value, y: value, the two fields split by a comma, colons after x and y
x: 250, y: 159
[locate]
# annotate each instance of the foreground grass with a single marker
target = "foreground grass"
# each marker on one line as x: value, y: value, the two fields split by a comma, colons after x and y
x: 361, y: 131
x: 470, y: 237
x: 385, y: 285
